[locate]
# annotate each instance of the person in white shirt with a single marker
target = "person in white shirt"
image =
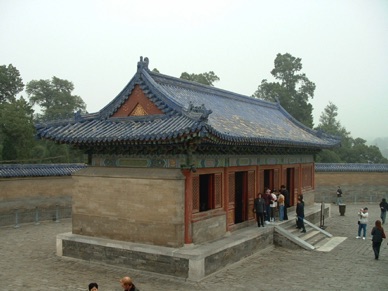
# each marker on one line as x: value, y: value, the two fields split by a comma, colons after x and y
x: 362, y: 222
x: 273, y: 205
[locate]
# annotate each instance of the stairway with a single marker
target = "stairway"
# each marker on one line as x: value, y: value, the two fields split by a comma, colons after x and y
x: 315, y: 238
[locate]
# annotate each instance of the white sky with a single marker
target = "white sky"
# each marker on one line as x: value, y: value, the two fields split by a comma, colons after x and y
x: 96, y: 45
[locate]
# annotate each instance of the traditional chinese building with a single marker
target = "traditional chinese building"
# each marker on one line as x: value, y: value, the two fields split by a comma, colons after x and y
x: 172, y: 162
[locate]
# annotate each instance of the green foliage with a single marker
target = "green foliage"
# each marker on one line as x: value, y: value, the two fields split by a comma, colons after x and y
x: 56, y: 102
x: 16, y: 130
x: 46, y: 151
x: 11, y: 83
x: 329, y: 124
x: 204, y: 78
x: 293, y: 90
x: 382, y: 143
x: 351, y: 150
x: 54, y: 98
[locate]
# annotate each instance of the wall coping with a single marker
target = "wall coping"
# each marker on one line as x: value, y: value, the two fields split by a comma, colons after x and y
x: 347, y: 167
x: 50, y: 170
x: 38, y: 170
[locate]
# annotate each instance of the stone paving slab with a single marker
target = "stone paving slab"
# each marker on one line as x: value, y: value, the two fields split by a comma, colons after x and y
x: 29, y: 262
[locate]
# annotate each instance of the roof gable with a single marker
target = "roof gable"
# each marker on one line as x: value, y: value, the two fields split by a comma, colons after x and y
x: 137, y: 104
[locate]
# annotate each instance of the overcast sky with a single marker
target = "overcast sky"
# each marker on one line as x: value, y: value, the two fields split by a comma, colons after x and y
x: 96, y: 45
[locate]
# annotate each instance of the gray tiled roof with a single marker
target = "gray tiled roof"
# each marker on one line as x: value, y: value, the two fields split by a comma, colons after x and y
x: 344, y: 167
x: 190, y: 110
x: 38, y: 170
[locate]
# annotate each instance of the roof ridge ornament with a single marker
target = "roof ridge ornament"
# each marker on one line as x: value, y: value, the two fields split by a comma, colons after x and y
x: 143, y: 64
x: 198, y: 112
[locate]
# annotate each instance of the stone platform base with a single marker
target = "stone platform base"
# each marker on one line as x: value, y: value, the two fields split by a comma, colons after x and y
x: 192, y: 262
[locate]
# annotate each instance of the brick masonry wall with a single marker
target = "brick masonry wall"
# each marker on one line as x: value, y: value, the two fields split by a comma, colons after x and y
x: 24, y: 200
x: 356, y: 186
x: 128, y: 204
x: 28, y: 193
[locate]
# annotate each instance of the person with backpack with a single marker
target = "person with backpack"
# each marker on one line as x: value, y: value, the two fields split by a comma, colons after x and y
x: 377, y: 238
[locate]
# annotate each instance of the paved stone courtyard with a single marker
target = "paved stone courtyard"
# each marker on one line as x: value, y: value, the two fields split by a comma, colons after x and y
x: 29, y: 262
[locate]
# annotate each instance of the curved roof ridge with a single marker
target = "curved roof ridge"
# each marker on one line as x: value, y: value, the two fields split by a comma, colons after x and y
x: 149, y: 81
x: 263, y: 139
x: 113, y: 105
x: 317, y: 133
x: 194, y: 86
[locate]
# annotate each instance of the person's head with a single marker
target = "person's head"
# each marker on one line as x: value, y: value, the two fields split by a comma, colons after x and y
x: 300, y: 198
x: 365, y: 209
x: 384, y: 200
x: 126, y: 283
x: 93, y: 287
x: 282, y: 187
x: 378, y: 223
x: 268, y: 191
x: 259, y: 195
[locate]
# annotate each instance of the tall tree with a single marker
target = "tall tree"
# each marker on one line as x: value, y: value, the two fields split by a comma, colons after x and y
x: 16, y: 130
x: 56, y: 102
x: 351, y: 150
x: 54, y: 98
x: 204, y: 78
x: 293, y: 89
x: 329, y: 124
x: 11, y: 83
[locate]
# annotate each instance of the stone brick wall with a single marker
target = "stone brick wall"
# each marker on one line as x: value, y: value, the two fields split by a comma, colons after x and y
x: 209, y: 229
x: 28, y: 193
x: 129, y: 204
x: 24, y: 200
x: 356, y: 186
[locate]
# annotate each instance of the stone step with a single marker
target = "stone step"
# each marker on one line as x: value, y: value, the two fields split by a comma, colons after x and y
x: 330, y: 244
x: 314, y: 237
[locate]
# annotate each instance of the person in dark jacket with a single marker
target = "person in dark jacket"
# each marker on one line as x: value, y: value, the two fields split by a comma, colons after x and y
x: 267, y: 199
x: 259, y: 209
x: 93, y: 287
x: 377, y: 238
x: 300, y: 213
x: 383, y: 209
x: 127, y: 284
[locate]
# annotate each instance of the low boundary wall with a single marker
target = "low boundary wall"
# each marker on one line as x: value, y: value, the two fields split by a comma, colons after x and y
x: 44, y: 194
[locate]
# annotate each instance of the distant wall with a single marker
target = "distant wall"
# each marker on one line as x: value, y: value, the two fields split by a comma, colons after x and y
x: 356, y: 186
x: 47, y: 195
